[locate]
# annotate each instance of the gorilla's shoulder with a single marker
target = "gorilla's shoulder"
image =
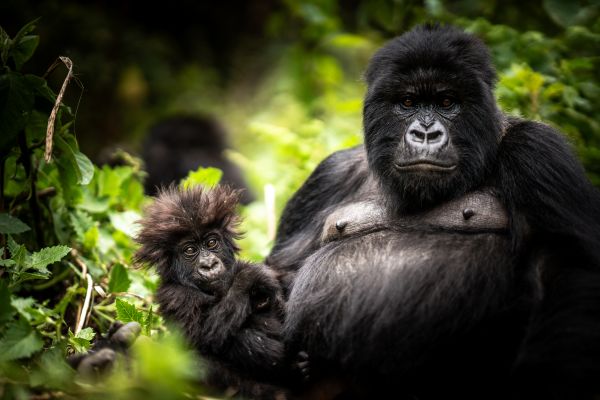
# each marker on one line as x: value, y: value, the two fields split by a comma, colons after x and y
x: 347, y: 161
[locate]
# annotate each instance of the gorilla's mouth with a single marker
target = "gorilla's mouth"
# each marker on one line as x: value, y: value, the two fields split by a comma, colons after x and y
x: 424, y: 166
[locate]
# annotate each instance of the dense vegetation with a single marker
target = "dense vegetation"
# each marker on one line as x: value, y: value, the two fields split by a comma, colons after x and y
x: 67, y: 225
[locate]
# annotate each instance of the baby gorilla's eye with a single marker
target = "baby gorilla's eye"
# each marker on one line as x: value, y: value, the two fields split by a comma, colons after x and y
x: 212, y: 244
x: 189, y: 250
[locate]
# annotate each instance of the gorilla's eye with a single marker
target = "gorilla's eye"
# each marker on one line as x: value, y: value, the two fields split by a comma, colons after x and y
x: 408, y: 102
x: 212, y: 244
x: 446, y: 102
x: 189, y: 250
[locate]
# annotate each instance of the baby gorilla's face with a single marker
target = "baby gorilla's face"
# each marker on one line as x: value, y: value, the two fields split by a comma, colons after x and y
x: 204, y: 262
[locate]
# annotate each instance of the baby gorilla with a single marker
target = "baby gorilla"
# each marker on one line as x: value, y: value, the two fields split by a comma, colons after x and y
x: 224, y: 306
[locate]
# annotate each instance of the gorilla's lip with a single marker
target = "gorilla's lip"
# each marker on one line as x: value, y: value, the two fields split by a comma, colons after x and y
x: 425, y: 166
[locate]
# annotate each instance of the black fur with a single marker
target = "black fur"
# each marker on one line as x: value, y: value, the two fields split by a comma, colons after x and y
x: 232, y: 317
x: 179, y: 144
x: 435, y: 313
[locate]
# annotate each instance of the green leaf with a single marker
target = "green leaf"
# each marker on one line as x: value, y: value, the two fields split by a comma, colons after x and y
x: 24, y: 49
x: 126, y: 312
x: 119, y: 279
x: 28, y: 276
x: 11, y: 225
x: 48, y: 255
x: 18, y: 252
x: 19, y: 341
x: 86, y: 168
x: 81, y: 222
x: 126, y: 222
x: 87, y: 334
x: 7, y: 263
x: 52, y: 371
x: 16, y: 102
x: 82, y: 341
x: 208, y: 177
x: 6, y: 308
x: 5, y: 44
x: 22, y: 305
x: 74, y: 161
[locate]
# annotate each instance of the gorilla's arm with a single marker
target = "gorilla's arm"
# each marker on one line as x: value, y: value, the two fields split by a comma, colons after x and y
x: 340, y: 178
x: 243, y: 330
x: 543, y: 181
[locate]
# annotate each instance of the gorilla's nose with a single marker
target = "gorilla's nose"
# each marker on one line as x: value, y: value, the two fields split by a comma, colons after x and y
x: 209, y: 265
x: 429, y: 135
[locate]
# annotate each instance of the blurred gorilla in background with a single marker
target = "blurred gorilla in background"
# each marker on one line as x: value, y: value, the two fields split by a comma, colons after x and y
x: 181, y: 144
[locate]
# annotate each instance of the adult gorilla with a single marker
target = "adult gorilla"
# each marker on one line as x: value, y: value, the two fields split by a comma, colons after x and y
x: 483, y: 271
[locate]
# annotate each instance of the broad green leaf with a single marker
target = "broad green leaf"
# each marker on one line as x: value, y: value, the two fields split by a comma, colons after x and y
x: 11, y: 225
x: 22, y: 305
x: 119, y: 279
x: 208, y: 177
x: 93, y: 204
x: 126, y: 312
x: 48, y: 255
x: 86, y: 168
x: 77, y: 162
x: 40, y: 87
x: 126, y: 222
x: 24, y: 49
x: 16, y: 102
x: 6, y: 308
x: 19, y: 341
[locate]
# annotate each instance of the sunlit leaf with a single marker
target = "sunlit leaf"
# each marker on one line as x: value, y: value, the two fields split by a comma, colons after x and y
x: 126, y: 312
x: 208, y: 177
x: 119, y: 279
x: 46, y: 256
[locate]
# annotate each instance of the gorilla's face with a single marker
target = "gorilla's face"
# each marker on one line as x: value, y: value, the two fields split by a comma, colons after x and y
x: 431, y: 126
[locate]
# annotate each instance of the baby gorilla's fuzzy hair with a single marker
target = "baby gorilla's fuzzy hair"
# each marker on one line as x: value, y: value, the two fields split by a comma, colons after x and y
x: 176, y: 213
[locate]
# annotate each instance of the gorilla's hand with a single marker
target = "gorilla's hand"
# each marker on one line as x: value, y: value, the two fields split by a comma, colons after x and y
x: 103, y: 354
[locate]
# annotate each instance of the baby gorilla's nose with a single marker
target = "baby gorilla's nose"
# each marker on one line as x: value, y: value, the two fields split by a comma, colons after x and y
x: 209, y: 264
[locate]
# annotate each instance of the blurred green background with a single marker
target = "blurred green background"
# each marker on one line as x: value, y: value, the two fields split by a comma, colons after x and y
x: 284, y: 78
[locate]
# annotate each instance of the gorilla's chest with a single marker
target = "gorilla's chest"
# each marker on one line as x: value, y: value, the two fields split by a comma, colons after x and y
x: 473, y: 213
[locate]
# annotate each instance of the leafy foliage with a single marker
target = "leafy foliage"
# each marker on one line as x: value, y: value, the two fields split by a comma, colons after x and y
x: 67, y: 226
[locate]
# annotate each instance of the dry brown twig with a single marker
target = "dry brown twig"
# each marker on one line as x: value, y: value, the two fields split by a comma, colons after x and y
x: 51, y: 120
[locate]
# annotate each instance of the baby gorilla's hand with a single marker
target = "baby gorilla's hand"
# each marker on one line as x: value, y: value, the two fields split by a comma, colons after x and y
x: 101, y: 358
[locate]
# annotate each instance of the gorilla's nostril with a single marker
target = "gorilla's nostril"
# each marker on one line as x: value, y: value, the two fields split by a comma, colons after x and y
x: 417, y: 136
x: 209, y: 265
x: 434, y: 136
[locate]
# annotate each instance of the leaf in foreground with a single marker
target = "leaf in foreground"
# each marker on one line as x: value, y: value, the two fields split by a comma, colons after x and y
x: 19, y: 341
